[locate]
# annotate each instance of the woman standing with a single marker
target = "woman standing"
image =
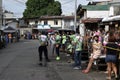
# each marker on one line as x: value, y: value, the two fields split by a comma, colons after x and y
x: 111, y: 56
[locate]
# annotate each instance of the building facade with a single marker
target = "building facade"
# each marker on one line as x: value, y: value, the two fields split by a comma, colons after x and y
x: 92, y: 17
x: 112, y: 22
x: 34, y: 25
x: 55, y: 22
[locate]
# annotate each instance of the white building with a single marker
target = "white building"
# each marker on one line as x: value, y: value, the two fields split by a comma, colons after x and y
x: 112, y: 22
x: 46, y: 23
x: 107, y: 11
x: 8, y: 15
x: 93, y: 14
x: 55, y: 22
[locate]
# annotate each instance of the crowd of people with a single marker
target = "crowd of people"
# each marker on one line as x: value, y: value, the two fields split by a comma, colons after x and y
x: 6, y: 38
x: 97, y: 43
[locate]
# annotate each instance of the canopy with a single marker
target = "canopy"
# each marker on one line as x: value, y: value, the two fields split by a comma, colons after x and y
x: 91, y: 20
x: 9, y: 29
x: 114, y: 18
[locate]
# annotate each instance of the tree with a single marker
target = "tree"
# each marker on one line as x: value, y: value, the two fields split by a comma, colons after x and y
x: 80, y: 11
x: 37, y: 8
x: 79, y: 8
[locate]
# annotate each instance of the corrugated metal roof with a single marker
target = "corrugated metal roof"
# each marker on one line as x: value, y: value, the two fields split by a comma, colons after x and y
x: 96, y: 7
x: 58, y: 17
x: 54, y: 17
x: 116, y: 1
x: 113, y: 18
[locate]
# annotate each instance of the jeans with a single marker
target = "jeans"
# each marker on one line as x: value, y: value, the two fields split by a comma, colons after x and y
x: 77, y: 58
x: 58, y: 50
x: 41, y: 50
x: 53, y: 48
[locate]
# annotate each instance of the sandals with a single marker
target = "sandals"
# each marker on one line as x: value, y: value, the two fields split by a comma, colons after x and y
x: 85, y: 71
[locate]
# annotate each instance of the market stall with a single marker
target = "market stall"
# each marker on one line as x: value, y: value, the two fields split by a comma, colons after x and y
x: 11, y: 31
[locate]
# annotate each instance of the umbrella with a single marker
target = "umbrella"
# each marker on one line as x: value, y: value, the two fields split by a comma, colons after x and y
x: 50, y: 30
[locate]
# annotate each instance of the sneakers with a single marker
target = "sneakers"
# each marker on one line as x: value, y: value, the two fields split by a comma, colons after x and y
x: 77, y: 68
x: 57, y: 58
x: 40, y: 64
x: 68, y: 55
x: 48, y: 60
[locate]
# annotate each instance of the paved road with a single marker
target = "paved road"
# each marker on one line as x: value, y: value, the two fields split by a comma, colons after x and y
x: 19, y: 61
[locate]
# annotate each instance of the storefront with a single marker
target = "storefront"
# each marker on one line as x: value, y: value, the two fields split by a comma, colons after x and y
x: 112, y: 23
x: 13, y: 32
x: 91, y: 23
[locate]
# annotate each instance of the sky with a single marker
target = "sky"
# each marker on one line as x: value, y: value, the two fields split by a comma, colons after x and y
x: 18, y: 6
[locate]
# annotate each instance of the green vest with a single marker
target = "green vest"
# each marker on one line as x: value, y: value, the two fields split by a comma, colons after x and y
x: 63, y: 39
x: 57, y: 39
x: 78, y: 46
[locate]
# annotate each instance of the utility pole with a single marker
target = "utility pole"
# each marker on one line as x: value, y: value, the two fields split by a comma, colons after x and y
x: 1, y: 14
x: 75, y: 19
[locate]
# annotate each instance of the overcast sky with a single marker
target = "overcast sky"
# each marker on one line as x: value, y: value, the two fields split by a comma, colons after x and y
x: 18, y: 6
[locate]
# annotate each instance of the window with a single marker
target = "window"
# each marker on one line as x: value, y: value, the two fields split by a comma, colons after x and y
x: 55, y: 22
x: 45, y: 22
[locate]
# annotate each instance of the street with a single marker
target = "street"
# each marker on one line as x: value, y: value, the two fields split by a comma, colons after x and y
x: 19, y: 61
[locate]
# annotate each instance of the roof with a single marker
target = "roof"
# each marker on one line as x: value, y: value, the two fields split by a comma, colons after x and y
x: 58, y: 17
x: 113, y: 18
x: 9, y: 29
x: 91, y: 20
x: 52, y: 17
x: 115, y: 1
x: 96, y: 7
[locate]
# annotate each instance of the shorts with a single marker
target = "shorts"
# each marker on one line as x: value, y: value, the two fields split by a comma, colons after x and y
x: 95, y: 56
x: 111, y: 58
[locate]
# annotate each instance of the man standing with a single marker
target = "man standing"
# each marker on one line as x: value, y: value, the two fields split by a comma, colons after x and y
x: 77, y: 54
x: 43, y: 41
x: 10, y: 37
x: 57, y: 44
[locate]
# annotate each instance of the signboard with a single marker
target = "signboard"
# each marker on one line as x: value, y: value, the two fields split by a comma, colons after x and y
x: 43, y: 26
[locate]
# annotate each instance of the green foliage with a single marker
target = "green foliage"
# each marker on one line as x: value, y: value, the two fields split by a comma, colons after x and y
x: 37, y: 8
x: 79, y: 7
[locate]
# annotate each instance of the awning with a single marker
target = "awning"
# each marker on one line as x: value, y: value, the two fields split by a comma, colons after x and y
x: 91, y: 20
x: 9, y: 29
x: 108, y: 19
